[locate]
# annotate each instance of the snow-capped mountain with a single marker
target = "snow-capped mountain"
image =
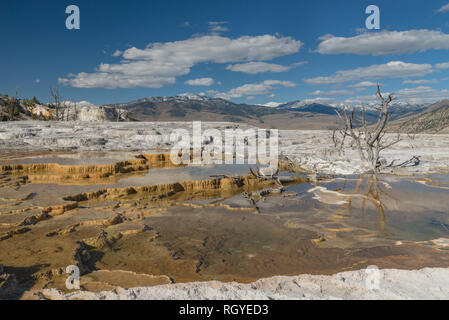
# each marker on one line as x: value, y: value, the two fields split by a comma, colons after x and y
x: 187, y: 97
x: 305, y: 114
x: 309, y: 106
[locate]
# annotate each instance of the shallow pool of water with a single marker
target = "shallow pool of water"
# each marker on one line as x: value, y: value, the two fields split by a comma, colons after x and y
x: 321, y: 227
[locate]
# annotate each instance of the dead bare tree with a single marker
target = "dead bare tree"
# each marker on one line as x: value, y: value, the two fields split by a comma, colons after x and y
x: 54, y: 94
x: 119, y: 114
x: 68, y: 106
x: 75, y: 112
x: 369, y: 141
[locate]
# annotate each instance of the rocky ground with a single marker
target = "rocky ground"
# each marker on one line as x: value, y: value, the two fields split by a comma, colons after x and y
x: 355, y: 285
x: 312, y: 150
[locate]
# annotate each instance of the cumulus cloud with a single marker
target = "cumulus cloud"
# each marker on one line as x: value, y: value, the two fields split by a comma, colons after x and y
x: 117, y: 53
x: 159, y: 64
x: 299, y: 64
x: 216, y: 27
x: 332, y: 93
x: 393, y: 69
x: 200, y: 82
x: 422, y: 94
x: 364, y: 84
x: 257, y: 67
x: 255, y: 89
x: 442, y: 66
x: 444, y: 8
x: 262, y: 67
x: 417, y: 95
x: 421, y: 81
x: 385, y: 42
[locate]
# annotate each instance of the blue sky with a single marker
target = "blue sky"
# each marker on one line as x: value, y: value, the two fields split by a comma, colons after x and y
x: 246, y: 51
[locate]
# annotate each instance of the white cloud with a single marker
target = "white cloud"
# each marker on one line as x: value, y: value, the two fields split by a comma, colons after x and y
x: 117, y: 53
x: 394, y: 69
x: 422, y: 81
x: 159, y: 64
x: 216, y: 27
x: 422, y: 95
x: 212, y: 93
x: 299, y: 64
x: 255, y: 89
x: 37, y: 81
x: 332, y: 93
x: 444, y: 8
x: 417, y: 95
x: 364, y: 84
x: 257, y: 67
x: 200, y: 82
x: 442, y: 66
x: 385, y: 42
x: 262, y: 67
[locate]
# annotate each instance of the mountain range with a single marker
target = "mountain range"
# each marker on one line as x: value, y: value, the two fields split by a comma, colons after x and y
x: 293, y: 115
x: 434, y: 119
x: 305, y: 115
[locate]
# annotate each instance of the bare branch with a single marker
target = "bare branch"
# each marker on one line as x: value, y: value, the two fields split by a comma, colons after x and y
x: 369, y: 142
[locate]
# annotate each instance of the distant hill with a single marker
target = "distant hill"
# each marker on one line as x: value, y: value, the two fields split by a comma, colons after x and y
x: 293, y: 115
x: 306, y: 115
x: 12, y: 109
x: 434, y: 119
x: 312, y: 107
x: 195, y: 107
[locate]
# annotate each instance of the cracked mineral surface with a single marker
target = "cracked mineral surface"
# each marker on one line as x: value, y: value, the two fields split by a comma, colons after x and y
x: 108, y: 199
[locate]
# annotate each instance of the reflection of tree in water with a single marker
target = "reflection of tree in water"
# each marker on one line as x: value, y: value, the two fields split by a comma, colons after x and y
x: 375, y: 192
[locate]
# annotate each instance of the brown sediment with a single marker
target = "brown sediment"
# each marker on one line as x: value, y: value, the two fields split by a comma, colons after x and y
x: 160, y: 160
x: 46, y: 213
x: 214, y: 205
x: 12, y: 233
x: 431, y: 183
x: 45, y: 173
x: 56, y: 173
x: 57, y: 210
x: 232, y: 185
x: 101, y: 280
x: 77, y: 170
x: 196, y: 230
x: 51, y: 211
x: 289, y: 166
